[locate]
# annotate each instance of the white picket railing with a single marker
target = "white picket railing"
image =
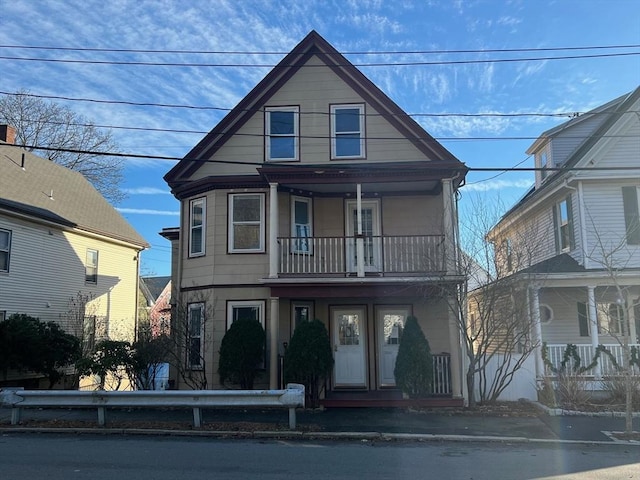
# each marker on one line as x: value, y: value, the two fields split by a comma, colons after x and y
x: 441, y: 374
x: 381, y: 254
x: 555, y: 354
x: 290, y: 398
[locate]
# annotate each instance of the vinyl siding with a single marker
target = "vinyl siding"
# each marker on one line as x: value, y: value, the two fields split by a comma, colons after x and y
x: 567, y: 141
x: 47, y: 269
x: 312, y: 89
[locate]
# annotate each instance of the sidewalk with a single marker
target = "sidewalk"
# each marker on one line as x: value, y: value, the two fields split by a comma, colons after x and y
x: 335, y: 422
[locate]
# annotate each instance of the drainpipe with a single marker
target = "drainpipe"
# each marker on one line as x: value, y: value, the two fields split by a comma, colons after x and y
x: 583, y: 226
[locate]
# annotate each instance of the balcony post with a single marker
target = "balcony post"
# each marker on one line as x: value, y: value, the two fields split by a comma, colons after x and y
x: 449, y: 227
x: 537, y: 329
x: 274, y: 252
x: 593, y: 323
x: 359, y: 239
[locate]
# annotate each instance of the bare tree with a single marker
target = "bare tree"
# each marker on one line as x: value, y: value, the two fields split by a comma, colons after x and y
x: 613, y: 256
x: 69, y: 138
x: 491, y: 307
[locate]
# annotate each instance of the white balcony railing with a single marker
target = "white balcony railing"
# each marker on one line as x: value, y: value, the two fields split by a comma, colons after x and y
x: 555, y: 354
x: 381, y: 254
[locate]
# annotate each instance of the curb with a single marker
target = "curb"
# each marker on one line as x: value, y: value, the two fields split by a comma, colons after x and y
x: 359, y: 436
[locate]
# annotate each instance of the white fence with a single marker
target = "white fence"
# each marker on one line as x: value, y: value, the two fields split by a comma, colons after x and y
x: 523, y: 384
x: 290, y: 398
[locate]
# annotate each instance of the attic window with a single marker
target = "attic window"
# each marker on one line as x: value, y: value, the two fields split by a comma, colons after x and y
x: 281, y: 133
x: 347, y: 131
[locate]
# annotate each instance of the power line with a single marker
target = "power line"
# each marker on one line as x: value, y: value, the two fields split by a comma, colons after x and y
x: 298, y: 165
x: 255, y: 110
x: 265, y: 65
x: 370, y: 52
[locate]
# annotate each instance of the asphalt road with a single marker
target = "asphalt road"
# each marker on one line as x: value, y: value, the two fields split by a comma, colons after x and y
x: 95, y: 457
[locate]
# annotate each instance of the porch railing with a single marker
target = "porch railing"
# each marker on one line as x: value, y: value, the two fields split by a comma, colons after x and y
x: 555, y: 355
x: 441, y: 374
x: 381, y: 254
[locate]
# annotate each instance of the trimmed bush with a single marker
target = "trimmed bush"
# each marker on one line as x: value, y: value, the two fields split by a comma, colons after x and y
x: 309, y: 359
x: 414, y: 365
x: 242, y: 353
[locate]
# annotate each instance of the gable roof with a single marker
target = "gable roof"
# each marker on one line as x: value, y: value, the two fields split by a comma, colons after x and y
x: 152, y: 287
x: 614, y: 110
x: 41, y: 189
x: 312, y: 44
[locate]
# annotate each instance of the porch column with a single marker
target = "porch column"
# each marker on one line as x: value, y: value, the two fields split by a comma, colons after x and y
x: 359, y: 239
x: 456, y: 354
x: 537, y: 329
x: 274, y: 326
x: 593, y: 323
x: 273, y: 231
x: 448, y: 227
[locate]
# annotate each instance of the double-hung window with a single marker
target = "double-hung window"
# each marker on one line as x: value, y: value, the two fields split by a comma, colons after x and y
x: 197, y: 212
x: 5, y: 249
x: 246, y: 223
x: 91, y: 267
x: 610, y: 318
x: 347, y: 131
x: 301, y: 225
x: 195, y: 328
x: 563, y: 224
x: 281, y: 127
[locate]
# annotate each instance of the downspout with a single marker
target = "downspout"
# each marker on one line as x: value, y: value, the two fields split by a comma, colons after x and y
x: 583, y: 226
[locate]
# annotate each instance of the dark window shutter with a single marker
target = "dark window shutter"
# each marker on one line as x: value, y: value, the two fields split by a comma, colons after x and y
x: 631, y: 214
x: 556, y: 230
x: 572, y: 238
x: 583, y: 320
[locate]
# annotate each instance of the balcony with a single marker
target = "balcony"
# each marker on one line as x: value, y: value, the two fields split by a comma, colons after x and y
x: 361, y: 255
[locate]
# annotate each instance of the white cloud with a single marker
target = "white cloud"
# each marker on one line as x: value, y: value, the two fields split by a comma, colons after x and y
x: 145, y: 211
x: 485, y: 186
x: 146, y: 191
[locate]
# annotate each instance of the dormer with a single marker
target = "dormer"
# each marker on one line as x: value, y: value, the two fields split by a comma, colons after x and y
x: 543, y: 161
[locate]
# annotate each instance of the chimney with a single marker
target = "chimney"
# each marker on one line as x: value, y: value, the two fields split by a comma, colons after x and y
x: 8, y: 134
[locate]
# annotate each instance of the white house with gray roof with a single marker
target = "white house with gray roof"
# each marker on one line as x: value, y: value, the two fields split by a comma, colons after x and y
x: 61, y: 240
x: 582, y: 214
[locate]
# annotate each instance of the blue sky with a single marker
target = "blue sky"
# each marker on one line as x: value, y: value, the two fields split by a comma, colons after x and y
x: 542, y: 86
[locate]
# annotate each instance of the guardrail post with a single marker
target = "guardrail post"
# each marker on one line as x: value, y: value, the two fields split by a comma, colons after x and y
x: 102, y: 416
x: 15, y: 415
x: 197, y: 417
x: 292, y: 418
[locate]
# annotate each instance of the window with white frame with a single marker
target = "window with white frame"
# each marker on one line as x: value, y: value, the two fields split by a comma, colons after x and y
x: 610, y: 318
x: 281, y: 128
x: 3, y: 315
x: 195, y: 330
x: 347, y: 131
x: 563, y: 224
x: 245, y: 309
x: 197, y: 212
x: 544, y: 164
x: 301, y: 224
x: 246, y: 222
x: 301, y: 312
x: 5, y: 249
x: 91, y: 267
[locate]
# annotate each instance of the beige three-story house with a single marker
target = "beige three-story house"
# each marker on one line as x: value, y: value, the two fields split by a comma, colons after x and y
x: 318, y: 197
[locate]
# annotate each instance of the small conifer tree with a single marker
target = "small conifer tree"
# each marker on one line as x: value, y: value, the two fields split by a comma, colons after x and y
x: 309, y: 359
x: 414, y: 365
x: 242, y: 353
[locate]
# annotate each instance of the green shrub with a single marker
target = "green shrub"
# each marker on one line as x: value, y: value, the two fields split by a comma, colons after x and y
x: 309, y: 359
x: 414, y: 365
x: 27, y: 344
x: 242, y: 353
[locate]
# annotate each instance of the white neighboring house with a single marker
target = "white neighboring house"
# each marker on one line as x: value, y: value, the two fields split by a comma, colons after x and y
x: 584, y: 277
x: 59, y: 238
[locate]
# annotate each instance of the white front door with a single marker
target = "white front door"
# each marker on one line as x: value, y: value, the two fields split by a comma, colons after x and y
x: 348, y: 325
x: 370, y: 232
x: 390, y: 322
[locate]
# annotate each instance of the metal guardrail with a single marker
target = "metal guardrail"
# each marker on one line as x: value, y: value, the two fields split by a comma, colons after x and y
x: 290, y: 398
